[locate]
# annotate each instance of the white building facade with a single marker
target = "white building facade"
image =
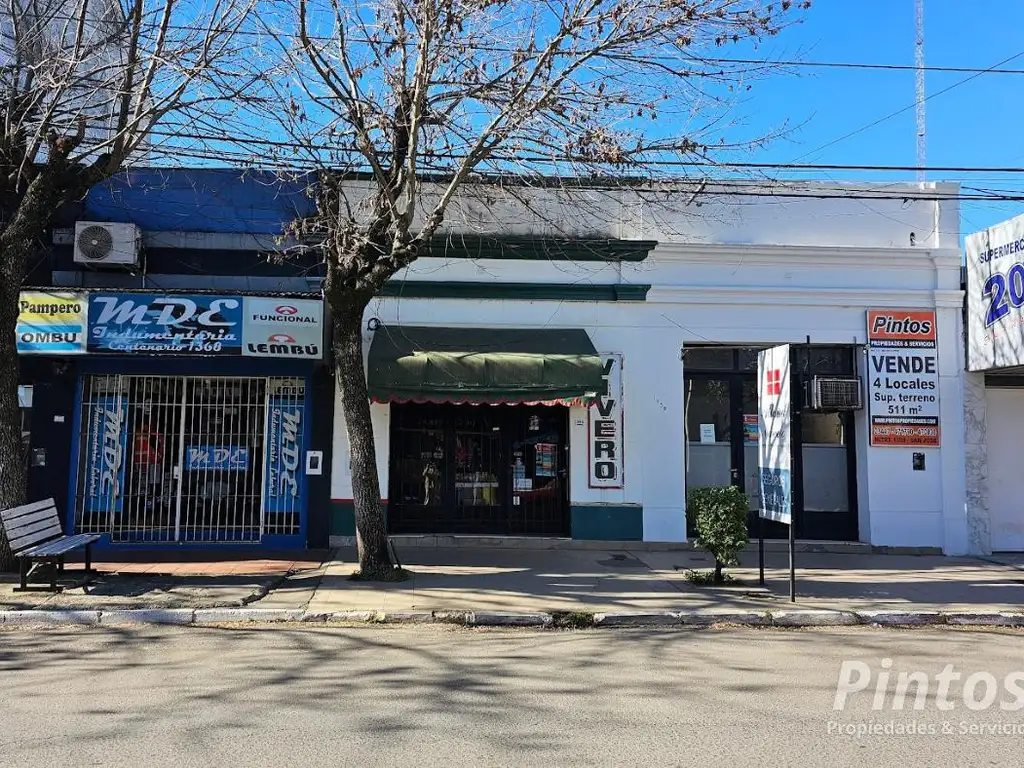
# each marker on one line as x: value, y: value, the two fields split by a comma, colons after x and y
x: 994, y: 387
x: 675, y: 300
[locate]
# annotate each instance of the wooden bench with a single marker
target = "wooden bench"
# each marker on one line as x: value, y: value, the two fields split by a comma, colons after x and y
x: 34, y: 535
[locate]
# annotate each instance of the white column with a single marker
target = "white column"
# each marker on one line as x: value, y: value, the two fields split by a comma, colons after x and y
x: 949, y: 306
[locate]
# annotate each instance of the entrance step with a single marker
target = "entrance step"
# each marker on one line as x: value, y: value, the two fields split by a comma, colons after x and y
x: 541, y: 542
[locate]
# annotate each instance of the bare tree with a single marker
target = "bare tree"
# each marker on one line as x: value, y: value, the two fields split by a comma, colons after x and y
x: 436, y: 100
x: 89, y: 86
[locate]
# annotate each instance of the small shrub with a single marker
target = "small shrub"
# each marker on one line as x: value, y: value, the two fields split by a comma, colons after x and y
x: 721, y: 516
x: 705, y: 577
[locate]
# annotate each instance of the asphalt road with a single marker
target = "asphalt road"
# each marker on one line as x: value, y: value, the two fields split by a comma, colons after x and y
x: 435, y: 696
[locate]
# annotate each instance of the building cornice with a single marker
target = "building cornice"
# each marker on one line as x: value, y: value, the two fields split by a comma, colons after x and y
x: 802, y: 255
x: 854, y: 298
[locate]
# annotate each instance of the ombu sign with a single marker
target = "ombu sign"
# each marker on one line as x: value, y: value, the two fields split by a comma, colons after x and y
x: 903, y: 378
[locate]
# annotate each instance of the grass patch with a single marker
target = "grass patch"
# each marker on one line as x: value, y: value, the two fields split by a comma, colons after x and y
x: 390, y: 576
x: 572, y: 619
x: 707, y: 578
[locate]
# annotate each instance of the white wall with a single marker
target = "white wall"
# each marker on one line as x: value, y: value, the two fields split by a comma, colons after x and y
x: 843, y: 259
x: 1005, y: 408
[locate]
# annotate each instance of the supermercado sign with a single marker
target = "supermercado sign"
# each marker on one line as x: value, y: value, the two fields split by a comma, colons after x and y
x: 193, y: 324
x: 51, y: 322
x: 995, y: 296
x: 903, y: 378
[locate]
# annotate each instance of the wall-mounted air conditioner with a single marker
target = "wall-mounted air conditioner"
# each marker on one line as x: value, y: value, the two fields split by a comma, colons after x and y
x: 104, y: 244
x: 834, y: 393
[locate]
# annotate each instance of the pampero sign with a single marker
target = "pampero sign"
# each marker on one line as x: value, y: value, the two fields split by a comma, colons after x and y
x: 903, y: 378
x: 774, y: 418
x: 51, y: 322
x: 195, y: 324
x: 605, y: 435
x: 995, y: 296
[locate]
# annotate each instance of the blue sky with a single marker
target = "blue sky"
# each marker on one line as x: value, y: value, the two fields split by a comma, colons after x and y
x: 974, y: 124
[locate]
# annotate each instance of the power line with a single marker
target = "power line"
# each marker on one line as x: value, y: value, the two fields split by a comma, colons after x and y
x: 784, y: 63
x: 914, y: 105
x: 311, y: 147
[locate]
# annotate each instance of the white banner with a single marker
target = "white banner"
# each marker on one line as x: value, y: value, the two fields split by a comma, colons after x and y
x: 774, y: 417
x: 995, y: 296
x: 604, y: 430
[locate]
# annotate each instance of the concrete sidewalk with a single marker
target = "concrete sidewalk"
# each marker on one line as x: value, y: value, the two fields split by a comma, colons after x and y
x: 609, y: 581
x: 498, y: 586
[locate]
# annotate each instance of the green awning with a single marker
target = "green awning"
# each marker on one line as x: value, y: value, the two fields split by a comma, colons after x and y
x: 483, y: 365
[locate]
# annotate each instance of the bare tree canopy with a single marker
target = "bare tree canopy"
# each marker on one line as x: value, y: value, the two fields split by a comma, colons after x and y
x: 428, y: 98
x: 89, y: 86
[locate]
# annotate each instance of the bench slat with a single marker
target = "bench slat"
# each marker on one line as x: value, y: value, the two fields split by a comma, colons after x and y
x: 42, y: 514
x: 60, y: 546
x: 51, y: 517
x: 14, y: 531
x: 9, y: 515
x: 31, y: 540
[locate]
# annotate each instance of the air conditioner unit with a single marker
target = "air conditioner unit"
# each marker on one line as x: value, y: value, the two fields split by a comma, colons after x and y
x: 834, y: 393
x: 104, y: 244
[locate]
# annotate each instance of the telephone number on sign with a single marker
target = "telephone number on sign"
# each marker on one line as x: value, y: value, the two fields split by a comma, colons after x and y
x: 886, y: 435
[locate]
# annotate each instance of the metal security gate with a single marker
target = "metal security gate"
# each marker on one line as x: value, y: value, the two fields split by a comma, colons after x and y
x: 196, y: 459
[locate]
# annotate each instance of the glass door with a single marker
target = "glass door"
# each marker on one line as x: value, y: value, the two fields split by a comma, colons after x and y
x: 712, y: 417
x: 538, y: 473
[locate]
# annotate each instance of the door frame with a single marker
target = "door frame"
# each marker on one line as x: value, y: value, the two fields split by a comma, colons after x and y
x: 509, y: 419
x: 189, y: 371
x: 848, y: 529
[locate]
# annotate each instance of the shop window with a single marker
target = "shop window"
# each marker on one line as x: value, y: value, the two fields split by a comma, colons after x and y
x: 708, y: 411
x: 708, y: 358
x: 826, y: 468
x: 824, y: 360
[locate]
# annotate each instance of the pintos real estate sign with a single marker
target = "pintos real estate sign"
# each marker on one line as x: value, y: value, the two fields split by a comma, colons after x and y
x: 903, y: 378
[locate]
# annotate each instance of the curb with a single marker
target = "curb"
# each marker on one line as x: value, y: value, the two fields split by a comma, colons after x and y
x: 790, y: 619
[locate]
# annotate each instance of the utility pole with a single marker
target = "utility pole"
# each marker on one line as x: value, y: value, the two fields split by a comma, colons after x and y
x: 919, y: 88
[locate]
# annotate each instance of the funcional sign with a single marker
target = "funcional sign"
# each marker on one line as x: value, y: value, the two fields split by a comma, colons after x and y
x: 605, y: 428
x: 903, y: 378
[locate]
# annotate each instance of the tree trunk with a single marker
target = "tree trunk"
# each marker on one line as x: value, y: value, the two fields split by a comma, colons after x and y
x: 371, y: 528
x: 12, y: 458
x: 719, y: 577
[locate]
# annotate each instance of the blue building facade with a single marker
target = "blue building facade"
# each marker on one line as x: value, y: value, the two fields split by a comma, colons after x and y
x: 175, y: 363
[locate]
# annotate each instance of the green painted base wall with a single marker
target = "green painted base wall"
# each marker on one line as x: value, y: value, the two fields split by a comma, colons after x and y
x: 343, y: 517
x: 600, y: 522
x: 608, y: 522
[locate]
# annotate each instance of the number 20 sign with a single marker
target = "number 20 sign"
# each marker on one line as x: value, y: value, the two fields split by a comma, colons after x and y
x: 1003, y: 291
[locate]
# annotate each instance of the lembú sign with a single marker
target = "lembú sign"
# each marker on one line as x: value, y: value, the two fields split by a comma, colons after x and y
x: 903, y: 378
x: 170, y: 324
x: 605, y: 428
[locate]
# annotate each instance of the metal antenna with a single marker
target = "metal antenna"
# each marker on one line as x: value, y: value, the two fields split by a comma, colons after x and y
x: 919, y: 88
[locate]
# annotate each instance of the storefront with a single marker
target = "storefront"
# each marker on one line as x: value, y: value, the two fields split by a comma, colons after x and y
x: 479, y: 426
x: 994, y: 389
x: 720, y: 387
x: 193, y: 418
x: 868, y: 298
